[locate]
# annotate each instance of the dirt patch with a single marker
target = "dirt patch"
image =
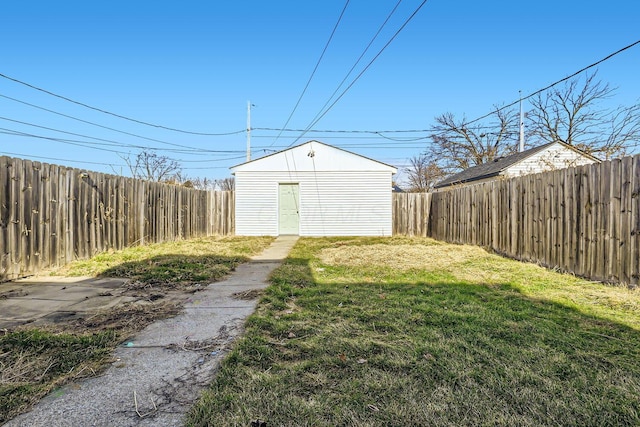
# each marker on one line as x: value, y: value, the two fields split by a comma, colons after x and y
x: 60, y: 317
x: 14, y: 293
x: 129, y: 317
x: 125, y: 319
x: 139, y: 288
x: 248, y: 295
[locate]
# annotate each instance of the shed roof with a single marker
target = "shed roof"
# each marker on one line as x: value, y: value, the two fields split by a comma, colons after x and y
x: 496, y: 167
x: 313, y: 156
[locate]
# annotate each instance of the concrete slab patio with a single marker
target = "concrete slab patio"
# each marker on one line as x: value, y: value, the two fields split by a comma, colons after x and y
x: 38, y: 300
x: 157, y: 375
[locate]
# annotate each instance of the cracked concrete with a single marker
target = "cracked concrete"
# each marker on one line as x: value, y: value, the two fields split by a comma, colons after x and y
x: 157, y: 375
x: 37, y: 300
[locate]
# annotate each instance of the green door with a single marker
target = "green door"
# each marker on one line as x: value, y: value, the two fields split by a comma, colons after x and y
x: 288, y: 212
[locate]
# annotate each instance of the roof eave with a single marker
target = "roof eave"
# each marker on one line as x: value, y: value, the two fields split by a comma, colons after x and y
x: 393, y: 172
x: 475, y: 178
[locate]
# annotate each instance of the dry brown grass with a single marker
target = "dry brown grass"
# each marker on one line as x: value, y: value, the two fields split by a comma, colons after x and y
x: 407, y: 257
x: 127, y: 318
x: 401, y: 257
x: 22, y: 367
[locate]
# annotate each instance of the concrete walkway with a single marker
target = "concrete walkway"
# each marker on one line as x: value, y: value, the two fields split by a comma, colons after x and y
x: 158, y: 375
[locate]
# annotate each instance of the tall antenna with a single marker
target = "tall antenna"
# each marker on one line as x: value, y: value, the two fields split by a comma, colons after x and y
x: 521, y: 124
x: 248, y: 131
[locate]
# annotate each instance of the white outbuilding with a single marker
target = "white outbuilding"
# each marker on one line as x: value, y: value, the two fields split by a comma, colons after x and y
x: 313, y: 189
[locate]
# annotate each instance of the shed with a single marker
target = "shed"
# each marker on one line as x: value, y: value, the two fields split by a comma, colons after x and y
x: 547, y: 157
x: 313, y: 189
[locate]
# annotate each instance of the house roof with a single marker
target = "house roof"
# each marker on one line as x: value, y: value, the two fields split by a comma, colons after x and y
x: 313, y: 155
x: 496, y: 167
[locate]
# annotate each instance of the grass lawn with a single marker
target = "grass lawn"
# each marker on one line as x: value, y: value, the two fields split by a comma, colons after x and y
x: 414, y: 332
x: 34, y: 361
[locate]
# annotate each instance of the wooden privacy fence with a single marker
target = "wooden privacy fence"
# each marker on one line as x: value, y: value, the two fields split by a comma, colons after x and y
x: 411, y: 213
x: 51, y: 215
x: 584, y: 220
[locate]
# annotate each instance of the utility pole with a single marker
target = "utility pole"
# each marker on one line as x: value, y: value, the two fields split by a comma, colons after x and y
x: 521, y: 124
x: 248, y: 131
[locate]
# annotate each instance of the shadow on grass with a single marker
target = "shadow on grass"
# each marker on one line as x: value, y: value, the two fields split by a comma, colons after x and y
x: 423, y: 353
x: 176, y: 269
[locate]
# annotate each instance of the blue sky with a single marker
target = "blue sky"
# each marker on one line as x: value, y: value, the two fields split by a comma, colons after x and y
x: 193, y: 65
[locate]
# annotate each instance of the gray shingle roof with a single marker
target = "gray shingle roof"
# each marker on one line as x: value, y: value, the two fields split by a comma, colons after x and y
x: 488, y: 170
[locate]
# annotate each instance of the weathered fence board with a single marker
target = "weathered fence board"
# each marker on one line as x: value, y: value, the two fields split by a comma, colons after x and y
x: 411, y: 213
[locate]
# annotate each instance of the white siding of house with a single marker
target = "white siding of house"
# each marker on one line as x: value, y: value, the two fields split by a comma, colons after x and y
x: 256, y: 211
x: 332, y: 203
x: 554, y: 157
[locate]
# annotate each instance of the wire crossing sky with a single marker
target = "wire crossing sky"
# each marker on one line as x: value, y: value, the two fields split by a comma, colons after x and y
x: 313, y: 73
x: 93, y: 83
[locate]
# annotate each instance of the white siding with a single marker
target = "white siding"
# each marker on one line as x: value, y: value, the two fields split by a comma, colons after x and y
x: 256, y: 205
x: 554, y: 157
x: 332, y: 203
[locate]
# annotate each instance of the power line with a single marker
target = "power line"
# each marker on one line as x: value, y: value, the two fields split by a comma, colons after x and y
x: 91, y: 145
x: 216, y: 167
x: 435, y: 129
x: 363, y: 71
x: 59, y: 160
x: 103, y: 164
x: 555, y: 83
x: 110, y: 128
x: 422, y: 138
x: 367, y: 138
x: 335, y: 27
x: 117, y: 143
x: 85, y: 144
x: 108, y: 142
x: 366, y: 49
x: 345, y: 132
x: 110, y: 113
x: 357, y: 130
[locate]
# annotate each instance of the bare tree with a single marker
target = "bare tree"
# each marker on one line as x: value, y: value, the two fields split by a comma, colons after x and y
x: 423, y: 173
x: 457, y: 145
x: 573, y: 114
x: 203, y: 183
x: 198, y: 183
x: 152, y: 167
x: 226, y: 184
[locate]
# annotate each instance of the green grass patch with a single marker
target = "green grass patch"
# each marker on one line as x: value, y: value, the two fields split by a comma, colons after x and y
x: 410, y: 331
